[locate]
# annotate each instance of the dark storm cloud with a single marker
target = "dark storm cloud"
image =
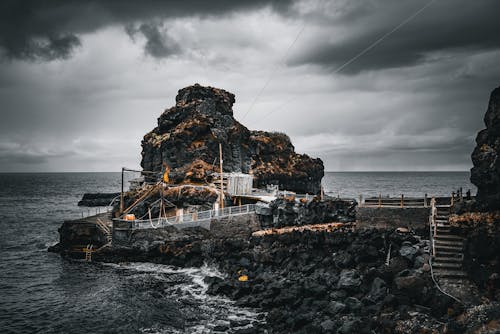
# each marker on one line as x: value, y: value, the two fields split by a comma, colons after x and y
x: 443, y: 26
x: 49, y: 30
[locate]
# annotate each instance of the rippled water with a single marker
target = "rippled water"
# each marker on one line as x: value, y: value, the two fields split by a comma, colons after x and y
x: 40, y: 292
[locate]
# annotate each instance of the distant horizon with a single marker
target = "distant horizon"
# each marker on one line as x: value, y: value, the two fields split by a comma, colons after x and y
x: 329, y: 171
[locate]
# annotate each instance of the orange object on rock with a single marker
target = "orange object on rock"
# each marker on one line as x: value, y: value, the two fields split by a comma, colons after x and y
x: 130, y: 216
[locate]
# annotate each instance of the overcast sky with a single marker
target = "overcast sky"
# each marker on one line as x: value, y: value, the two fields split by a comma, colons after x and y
x: 81, y: 82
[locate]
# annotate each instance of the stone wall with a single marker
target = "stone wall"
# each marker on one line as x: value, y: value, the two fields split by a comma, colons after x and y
x: 384, y: 217
x: 241, y: 226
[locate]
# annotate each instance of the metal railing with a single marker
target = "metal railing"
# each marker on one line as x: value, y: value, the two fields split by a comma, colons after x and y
x: 432, y: 225
x: 91, y: 212
x: 400, y: 202
x: 199, y: 218
x: 432, y: 250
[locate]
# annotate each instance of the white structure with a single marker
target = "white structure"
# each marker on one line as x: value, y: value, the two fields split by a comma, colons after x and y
x: 239, y: 183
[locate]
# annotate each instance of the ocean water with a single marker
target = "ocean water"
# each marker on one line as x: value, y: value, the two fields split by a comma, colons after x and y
x: 394, y: 184
x: 40, y: 292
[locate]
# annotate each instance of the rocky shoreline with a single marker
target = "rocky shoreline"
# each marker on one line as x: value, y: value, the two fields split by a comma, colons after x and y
x: 341, y: 280
x: 308, y: 263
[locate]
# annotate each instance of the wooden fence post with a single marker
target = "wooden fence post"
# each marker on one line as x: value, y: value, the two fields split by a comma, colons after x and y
x: 402, y: 200
x: 379, y: 200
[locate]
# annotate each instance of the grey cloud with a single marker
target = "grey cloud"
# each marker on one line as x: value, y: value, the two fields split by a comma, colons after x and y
x: 444, y: 25
x: 46, y: 48
x: 48, y: 30
x: 159, y: 44
x: 16, y: 153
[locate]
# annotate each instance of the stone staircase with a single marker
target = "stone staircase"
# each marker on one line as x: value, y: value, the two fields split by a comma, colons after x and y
x: 447, y: 263
x: 106, y: 229
x: 448, y: 247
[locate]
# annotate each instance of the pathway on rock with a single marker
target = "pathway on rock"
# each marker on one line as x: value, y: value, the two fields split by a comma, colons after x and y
x: 448, y: 259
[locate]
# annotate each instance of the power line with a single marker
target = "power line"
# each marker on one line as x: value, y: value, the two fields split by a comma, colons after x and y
x: 276, y: 68
x: 368, y: 48
x: 371, y: 46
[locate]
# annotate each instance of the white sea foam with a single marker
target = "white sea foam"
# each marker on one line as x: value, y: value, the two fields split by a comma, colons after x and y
x: 216, y: 310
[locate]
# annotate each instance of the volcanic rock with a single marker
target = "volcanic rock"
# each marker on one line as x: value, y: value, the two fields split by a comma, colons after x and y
x: 486, y: 171
x: 187, y: 141
x: 97, y: 199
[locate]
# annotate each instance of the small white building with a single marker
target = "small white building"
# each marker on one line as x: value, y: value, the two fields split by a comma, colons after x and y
x: 238, y: 183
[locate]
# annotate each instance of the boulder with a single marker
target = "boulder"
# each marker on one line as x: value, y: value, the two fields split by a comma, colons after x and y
x: 349, y: 280
x: 378, y: 289
x: 336, y: 307
x: 328, y: 326
x: 408, y: 252
x: 411, y: 285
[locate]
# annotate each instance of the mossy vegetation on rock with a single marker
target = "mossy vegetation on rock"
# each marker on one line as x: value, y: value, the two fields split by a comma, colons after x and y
x: 201, y: 119
x: 486, y: 171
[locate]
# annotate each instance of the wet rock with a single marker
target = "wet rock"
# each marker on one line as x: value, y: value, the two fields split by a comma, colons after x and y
x: 335, y: 307
x: 349, y: 279
x: 353, y: 304
x: 293, y: 212
x: 412, y: 285
x: 351, y: 325
x: 97, y: 199
x: 328, y: 326
x: 378, y: 289
x: 408, y: 252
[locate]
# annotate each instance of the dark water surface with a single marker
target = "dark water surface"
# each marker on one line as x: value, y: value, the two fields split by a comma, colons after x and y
x: 40, y: 292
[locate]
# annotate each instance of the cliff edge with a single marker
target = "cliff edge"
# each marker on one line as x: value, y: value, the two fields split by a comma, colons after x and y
x: 188, y: 135
x: 486, y: 171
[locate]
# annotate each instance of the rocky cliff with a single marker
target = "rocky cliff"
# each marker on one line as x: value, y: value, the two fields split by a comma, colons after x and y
x: 486, y: 171
x: 188, y: 135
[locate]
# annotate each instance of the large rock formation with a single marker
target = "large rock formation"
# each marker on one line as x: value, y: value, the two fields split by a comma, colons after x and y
x: 486, y: 171
x: 188, y: 135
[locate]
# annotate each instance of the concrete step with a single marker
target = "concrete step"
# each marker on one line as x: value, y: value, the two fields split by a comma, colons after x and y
x: 446, y: 265
x: 449, y: 273
x: 447, y: 254
x: 443, y: 225
x: 447, y: 249
x: 447, y: 259
x: 450, y: 237
x: 453, y: 243
x: 443, y: 230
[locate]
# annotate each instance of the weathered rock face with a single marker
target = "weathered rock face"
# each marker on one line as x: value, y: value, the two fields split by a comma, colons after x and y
x: 285, y: 212
x: 201, y: 119
x: 486, y: 171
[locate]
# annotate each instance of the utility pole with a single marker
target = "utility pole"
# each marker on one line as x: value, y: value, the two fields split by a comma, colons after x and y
x: 121, y: 193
